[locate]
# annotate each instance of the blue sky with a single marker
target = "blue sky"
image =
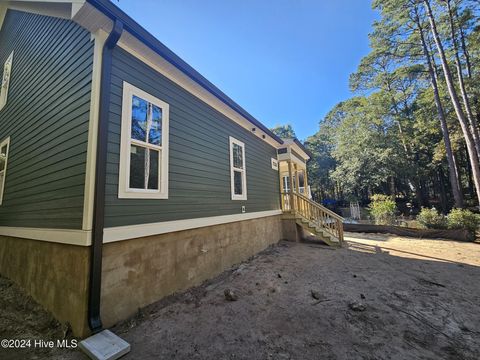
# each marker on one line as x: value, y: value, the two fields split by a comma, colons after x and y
x: 284, y: 61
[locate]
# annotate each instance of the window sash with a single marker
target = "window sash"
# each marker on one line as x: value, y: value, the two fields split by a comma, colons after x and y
x: 147, y: 146
x: 128, y: 142
x: 146, y: 169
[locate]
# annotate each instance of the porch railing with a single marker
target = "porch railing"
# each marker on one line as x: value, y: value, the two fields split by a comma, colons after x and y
x: 313, y: 212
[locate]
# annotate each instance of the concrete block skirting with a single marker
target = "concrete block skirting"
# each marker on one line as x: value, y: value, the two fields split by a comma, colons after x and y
x: 141, y: 271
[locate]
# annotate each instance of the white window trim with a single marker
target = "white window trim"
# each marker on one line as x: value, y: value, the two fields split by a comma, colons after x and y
x: 124, y: 192
x: 2, y: 144
x: 274, y: 164
x: 4, y: 89
x: 243, y: 196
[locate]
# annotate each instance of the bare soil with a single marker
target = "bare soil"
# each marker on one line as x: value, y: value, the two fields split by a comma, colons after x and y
x: 383, y: 297
x: 21, y: 318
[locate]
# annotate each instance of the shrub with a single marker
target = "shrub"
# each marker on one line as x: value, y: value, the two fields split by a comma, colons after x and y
x: 383, y: 209
x: 463, y: 219
x: 431, y: 219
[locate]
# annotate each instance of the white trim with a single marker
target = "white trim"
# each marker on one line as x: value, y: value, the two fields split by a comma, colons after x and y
x: 274, y: 164
x: 124, y: 190
x: 112, y: 234
x: 63, y: 236
x: 7, y: 67
x: 3, y: 12
x: 139, y: 50
x: 292, y: 144
x: 136, y: 231
x: 2, y: 187
x: 92, y: 19
x: 56, y: 8
x: 99, y: 40
x: 298, y: 161
x: 243, y: 171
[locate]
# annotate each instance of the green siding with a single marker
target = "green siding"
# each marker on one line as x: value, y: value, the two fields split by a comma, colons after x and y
x: 46, y: 117
x: 199, y: 163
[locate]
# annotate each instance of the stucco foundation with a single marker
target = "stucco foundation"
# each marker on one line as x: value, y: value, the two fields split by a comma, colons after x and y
x: 55, y: 275
x: 141, y: 271
x: 291, y: 231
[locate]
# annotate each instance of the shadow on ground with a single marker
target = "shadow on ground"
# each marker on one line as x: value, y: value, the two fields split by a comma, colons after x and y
x: 372, y: 300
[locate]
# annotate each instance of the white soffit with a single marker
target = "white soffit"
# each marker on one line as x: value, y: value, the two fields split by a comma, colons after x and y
x: 291, y: 143
x: 56, y: 8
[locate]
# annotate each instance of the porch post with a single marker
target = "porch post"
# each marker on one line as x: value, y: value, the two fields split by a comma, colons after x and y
x: 282, y: 190
x: 297, y: 180
x: 290, y: 180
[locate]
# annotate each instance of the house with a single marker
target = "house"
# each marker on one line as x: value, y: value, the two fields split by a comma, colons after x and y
x: 125, y: 175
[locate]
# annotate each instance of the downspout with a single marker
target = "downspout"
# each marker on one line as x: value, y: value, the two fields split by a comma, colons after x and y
x: 94, y: 320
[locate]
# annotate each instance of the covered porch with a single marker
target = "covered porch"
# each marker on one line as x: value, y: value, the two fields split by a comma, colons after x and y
x: 296, y: 197
x: 292, y: 168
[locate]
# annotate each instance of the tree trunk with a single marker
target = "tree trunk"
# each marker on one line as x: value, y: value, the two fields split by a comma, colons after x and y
x: 468, y: 171
x: 456, y: 103
x: 461, y: 82
x: 441, y: 189
x: 468, y: 64
x: 452, y: 166
x: 464, y: 48
x: 393, y: 191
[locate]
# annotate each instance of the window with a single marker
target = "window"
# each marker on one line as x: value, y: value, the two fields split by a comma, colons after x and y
x: 144, y: 146
x: 4, y: 146
x: 301, y: 182
x: 7, y: 70
x: 274, y: 164
x: 286, y: 183
x: 238, y: 172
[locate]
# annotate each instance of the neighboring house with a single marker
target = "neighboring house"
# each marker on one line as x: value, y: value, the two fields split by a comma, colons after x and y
x: 125, y: 175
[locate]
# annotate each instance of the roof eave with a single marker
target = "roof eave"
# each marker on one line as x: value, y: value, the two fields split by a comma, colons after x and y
x: 113, y: 12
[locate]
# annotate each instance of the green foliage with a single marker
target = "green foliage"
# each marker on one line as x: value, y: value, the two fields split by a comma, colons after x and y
x: 383, y: 209
x: 284, y: 131
x: 463, y: 219
x: 320, y: 165
x: 387, y: 138
x: 432, y: 219
x: 456, y: 219
x: 365, y: 151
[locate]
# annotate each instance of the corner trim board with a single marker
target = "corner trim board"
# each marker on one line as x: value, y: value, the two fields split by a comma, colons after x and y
x: 119, y: 233
x: 3, y: 12
x: 99, y: 39
x: 63, y: 236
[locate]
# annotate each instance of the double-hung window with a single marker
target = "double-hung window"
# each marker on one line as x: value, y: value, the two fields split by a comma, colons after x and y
x: 238, y: 172
x: 4, y: 147
x: 144, y: 146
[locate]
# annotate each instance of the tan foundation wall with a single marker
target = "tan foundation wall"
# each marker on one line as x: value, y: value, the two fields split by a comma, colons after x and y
x: 291, y: 231
x: 55, y: 275
x: 141, y: 271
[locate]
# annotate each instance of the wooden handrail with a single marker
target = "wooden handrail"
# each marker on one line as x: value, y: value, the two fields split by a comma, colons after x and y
x: 313, y: 212
x: 325, y: 209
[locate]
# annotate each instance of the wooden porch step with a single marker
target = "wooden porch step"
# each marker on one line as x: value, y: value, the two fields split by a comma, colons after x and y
x: 319, y: 232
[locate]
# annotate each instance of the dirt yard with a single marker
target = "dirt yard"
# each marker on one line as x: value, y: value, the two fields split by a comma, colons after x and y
x: 380, y: 298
